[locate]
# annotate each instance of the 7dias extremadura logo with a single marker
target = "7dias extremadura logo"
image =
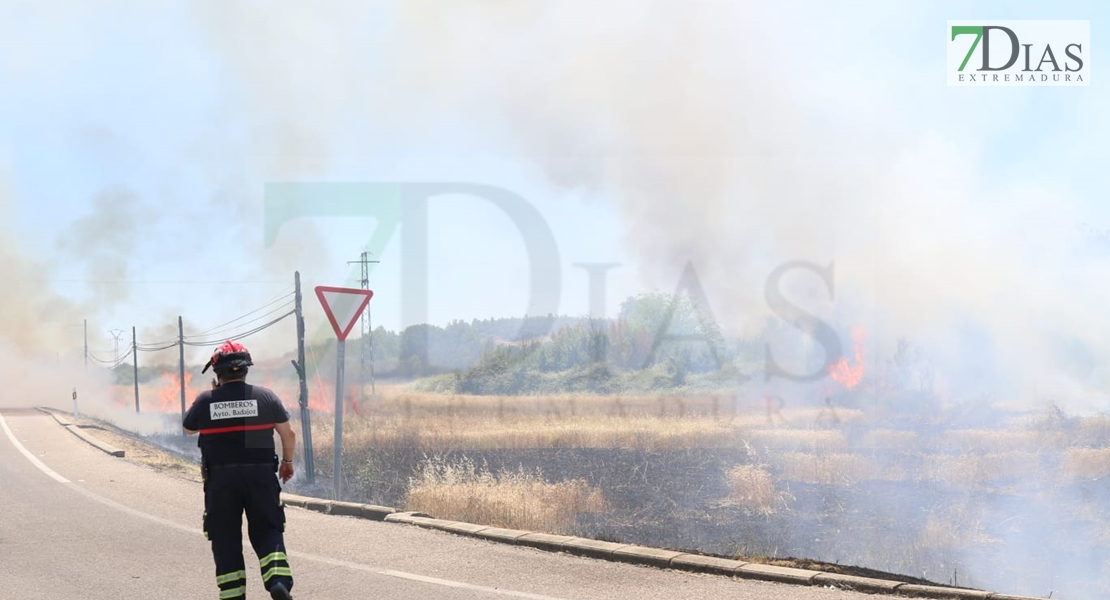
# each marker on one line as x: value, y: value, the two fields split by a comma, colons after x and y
x: 992, y: 53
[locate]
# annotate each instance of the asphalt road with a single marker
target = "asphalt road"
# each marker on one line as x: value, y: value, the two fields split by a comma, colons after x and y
x: 76, y: 523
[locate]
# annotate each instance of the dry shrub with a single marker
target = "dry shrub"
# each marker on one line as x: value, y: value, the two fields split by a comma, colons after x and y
x: 520, y: 499
x: 812, y: 440
x: 753, y: 488
x: 827, y: 469
x: 1087, y: 463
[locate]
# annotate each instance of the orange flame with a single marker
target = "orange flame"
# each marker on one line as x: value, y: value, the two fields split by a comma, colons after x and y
x: 321, y: 396
x: 169, y: 393
x: 842, y: 372
x: 165, y: 395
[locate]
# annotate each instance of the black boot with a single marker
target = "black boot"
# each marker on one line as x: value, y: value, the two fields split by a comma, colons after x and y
x: 278, y: 592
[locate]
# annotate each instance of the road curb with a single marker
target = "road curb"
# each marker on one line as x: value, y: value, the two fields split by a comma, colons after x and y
x: 683, y: 561
x: 777, y: 574
x: 925, y: 591
x: 63, y: 421
x: 857, y: 584
x: 626, y: 553
x: 79, y: 432
x: 706, y: 564
x: 332, y: 507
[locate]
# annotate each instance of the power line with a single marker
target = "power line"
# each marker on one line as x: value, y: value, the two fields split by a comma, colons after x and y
x: 99, y: 360
x: 221, y: 340
x: 167, y: 344
x: 159, y: 281
x: 286, y: 294
x: 170, y: 343
x: 240, y: 336
x: 221, y: 331
x: 114, y: 363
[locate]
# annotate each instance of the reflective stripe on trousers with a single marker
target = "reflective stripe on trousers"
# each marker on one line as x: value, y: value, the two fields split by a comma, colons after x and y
x: 232, y: 585
x: 275, y: 564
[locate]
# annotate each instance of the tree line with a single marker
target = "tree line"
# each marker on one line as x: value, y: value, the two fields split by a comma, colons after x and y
x: 657, y: 339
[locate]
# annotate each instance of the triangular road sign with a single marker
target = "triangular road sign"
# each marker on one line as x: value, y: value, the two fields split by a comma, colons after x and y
x: 343, y: 306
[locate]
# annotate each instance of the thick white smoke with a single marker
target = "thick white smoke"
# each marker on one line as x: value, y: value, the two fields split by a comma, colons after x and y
x: 145, y: 223
x: 733, y: 140
x: 724, y: 146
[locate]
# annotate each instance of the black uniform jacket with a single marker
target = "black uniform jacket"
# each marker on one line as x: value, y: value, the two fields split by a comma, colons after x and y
x: 236, y: 423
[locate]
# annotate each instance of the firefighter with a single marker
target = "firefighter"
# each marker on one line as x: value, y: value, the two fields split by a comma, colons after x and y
x: 236, y: 422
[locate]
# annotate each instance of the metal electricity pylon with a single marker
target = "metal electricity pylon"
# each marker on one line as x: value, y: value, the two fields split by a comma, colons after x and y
x: 366, y: 356
x: 116, y: 333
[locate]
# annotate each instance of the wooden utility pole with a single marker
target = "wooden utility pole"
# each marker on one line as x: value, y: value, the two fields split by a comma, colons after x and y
x: 181, y: 363
x: 135, y: 357
x: 306, y: 419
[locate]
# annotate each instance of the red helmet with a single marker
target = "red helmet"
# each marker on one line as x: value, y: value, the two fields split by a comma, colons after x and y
x: 230, y: 356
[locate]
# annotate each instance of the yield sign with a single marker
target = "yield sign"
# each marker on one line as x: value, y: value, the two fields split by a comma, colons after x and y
x: 343, y: 306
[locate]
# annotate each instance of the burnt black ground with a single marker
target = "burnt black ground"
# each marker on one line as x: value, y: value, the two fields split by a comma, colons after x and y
x: 676, y: 499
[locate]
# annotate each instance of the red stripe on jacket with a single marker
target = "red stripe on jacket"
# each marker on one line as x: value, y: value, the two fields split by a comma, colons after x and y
x: 238, y: 428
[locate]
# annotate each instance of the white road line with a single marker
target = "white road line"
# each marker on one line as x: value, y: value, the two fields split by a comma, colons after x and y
x: 422, y: 578
x: 311, y: 557
x: 31, y: 457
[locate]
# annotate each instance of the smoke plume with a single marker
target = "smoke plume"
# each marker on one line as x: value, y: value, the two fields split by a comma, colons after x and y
x: 33, y: 318
x: 730, y: 146
x: 717, y: 155
x: 103, y: 243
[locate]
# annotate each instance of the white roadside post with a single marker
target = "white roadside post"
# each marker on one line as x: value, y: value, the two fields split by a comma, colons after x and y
x: 343, y: 306
x: 74, y: 403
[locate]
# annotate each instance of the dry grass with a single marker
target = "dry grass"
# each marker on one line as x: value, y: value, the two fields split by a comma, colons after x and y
x: 996, y: 441
x: 890, y: 439
x: 824, y: 469
x: 966, y: 470
x: 1087, y: 463
x: 420, y: 404
x: 752, y: 487
x: 954, y: 528
x: 974, y: 470
x: 819, y: 417
x: 1092, y: 431
x: 143, y: 453
x: 811, y: 440
x: 537, y: 431
x: 515, y: 500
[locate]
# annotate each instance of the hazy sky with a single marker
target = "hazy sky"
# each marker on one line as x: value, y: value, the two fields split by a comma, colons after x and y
x: 137, y: 138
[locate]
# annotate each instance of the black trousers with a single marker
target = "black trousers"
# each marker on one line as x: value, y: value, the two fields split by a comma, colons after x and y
x: 229, y: 492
